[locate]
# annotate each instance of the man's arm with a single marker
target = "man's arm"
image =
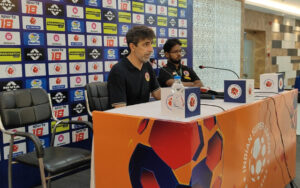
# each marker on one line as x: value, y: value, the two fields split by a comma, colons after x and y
x: 156, y: 94
x: 196, y: 83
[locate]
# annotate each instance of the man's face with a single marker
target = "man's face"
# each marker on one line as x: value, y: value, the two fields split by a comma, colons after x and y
x: 143, y: 50
x: 174, y: 56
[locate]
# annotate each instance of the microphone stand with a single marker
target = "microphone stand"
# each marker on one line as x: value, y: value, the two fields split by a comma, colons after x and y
x: 203, y: 67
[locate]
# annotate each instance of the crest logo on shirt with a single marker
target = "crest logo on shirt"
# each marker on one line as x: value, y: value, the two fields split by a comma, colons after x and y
x: 186, y: 73
x: 147, y: 76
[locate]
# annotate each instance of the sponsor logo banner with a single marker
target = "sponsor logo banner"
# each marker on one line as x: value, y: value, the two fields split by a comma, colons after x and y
x: 111, y: 41
x: 35, y: 70
x: 123, y: 52
x: 60, y: 112
x: 53, y: 24
x: 33, y: 38
x: 59, y: 97
x: 162, y: 21
x: 74, y: 12
x: 78, y: 108
x: 32, y: 7
x: 172, y: 32
x: 75, y: 26
x: 6, y: 137
x: 161, y: 42
x: 77, y: 81
x: 124, y: 5
x: 79, y: 135
x: 40, y: 129
x: 182, y: 23
x: 162, y: 2
x: 162, y: 62
x: 34, y: 54
x: 137, y: 7
x: 9, y: 21
x: 45, y: 143
x: 9, y: 5
x: 172, y: 22
x: 162, y: 10
x: 10, y: 54
x: 95, y: 78
x: 172, y: 11
x: 79, y: 118
x: 76, y: 40
x: 182, y: 33
x: 122, y: 42
x: 109, y: 15
x: 182, y: 3
x: 94, y: 40
x: 94, y: 3
x: 58, y: 83
x: 162, y: 32
x: 150, y: 8
x: 150, y: 20
x: 62, y: 139
x: 172, y: 3
x: 37, y: 83
x: 77, y: 2
x: 138, y: 18
x: 184, y: 43
x: 161, y: 53
x: 182, y: 13
x: 11, y: 85
x: 109, y: 65
x: 57, y: 68
x: 60, y: 127
x: 76, y: 54
x: 95, y: 66
x: 55, y: 10
x: 56, y: 39
x: 57, y: 54
x: 33, y: 23
x: 18, y: 149
x: 77, y: 95
x: 184, y: 61
x: 123, y: 28
x: 109, y: 4
x: 110, y: 28
x: 92, y: 13
x: 93, y: 27
x: 10, y: 38
x: 77, y: 67
x: 111, y: 54
x: 94, y: 54
x: 125, y: 17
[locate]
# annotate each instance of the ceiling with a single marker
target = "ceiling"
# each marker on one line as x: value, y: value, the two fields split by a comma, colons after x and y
x: 288, y: 8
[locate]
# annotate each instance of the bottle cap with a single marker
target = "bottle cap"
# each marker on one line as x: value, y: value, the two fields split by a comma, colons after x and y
x: 177, y: 77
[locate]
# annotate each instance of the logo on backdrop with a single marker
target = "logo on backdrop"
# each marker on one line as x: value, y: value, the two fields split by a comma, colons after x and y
x: 11, y: 85
x: 257, y: 156
x: 269, y: 83
x: 9, y: 5
x: 55, y: 10
x: 234, y: 91
x: 59, y: 97
x: 109, y: 15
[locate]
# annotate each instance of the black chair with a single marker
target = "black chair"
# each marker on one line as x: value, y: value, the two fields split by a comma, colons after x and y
x: 23, y: 107
x: 96, y: 97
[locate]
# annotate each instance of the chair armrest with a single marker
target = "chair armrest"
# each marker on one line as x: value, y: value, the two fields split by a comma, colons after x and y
x: 37, y: 143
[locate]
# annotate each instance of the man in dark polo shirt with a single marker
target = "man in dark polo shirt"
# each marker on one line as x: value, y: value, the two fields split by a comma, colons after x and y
x: 189, y: 78
x: 132, y: 79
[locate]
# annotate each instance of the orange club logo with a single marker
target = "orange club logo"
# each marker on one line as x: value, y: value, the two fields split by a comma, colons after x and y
x: 147, y: 76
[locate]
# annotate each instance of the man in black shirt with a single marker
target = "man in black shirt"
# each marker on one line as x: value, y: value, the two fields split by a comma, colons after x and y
x: 189, y: 78
x: 132, y: 79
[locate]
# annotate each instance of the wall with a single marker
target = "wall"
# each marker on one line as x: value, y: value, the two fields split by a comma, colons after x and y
x: 217, y: 40
x: 282, y: 43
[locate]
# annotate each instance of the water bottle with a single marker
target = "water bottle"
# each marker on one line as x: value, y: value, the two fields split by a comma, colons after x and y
x: 177, y: 91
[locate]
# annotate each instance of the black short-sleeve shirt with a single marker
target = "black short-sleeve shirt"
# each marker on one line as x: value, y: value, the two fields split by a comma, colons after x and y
x: 187, y: 74
x: 129, y: 85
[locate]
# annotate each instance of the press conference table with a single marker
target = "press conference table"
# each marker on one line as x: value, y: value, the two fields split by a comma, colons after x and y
x: 247, y: 145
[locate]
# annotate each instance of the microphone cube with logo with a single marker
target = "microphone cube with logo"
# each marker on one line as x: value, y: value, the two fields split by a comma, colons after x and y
x: 271, y: 82
x: 183, y: 105
x: 239, y: 91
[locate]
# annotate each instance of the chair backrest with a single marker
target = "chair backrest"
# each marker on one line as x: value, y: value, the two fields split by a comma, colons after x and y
x: 24, y: 107
x: 97, y: 94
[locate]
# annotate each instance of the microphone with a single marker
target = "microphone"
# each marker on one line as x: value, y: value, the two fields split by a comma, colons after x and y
x: 152, y: 60
x: 203, y: 67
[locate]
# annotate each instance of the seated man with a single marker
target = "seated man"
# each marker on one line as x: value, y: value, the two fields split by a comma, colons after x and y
x: 189, y: 78
x: 132, y: 79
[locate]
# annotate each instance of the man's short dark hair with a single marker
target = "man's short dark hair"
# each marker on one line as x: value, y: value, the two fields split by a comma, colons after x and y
x: 137, y: 33
x: 170, y: 44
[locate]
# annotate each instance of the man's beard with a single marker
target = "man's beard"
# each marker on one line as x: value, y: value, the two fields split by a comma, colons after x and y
x: 175, y: 61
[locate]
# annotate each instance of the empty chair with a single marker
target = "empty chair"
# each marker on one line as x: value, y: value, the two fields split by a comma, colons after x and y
x: 24, y: 107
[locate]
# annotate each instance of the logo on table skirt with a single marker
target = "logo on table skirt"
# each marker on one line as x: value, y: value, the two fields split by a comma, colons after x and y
x: 234, y: 91
x: 257, y: 156
x: 280, y: 83
x: 269, y: 83
x: 147, y: 76
x: 192, y: 102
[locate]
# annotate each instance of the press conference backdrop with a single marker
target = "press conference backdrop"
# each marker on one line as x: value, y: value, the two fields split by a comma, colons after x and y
x: 61, y: 45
